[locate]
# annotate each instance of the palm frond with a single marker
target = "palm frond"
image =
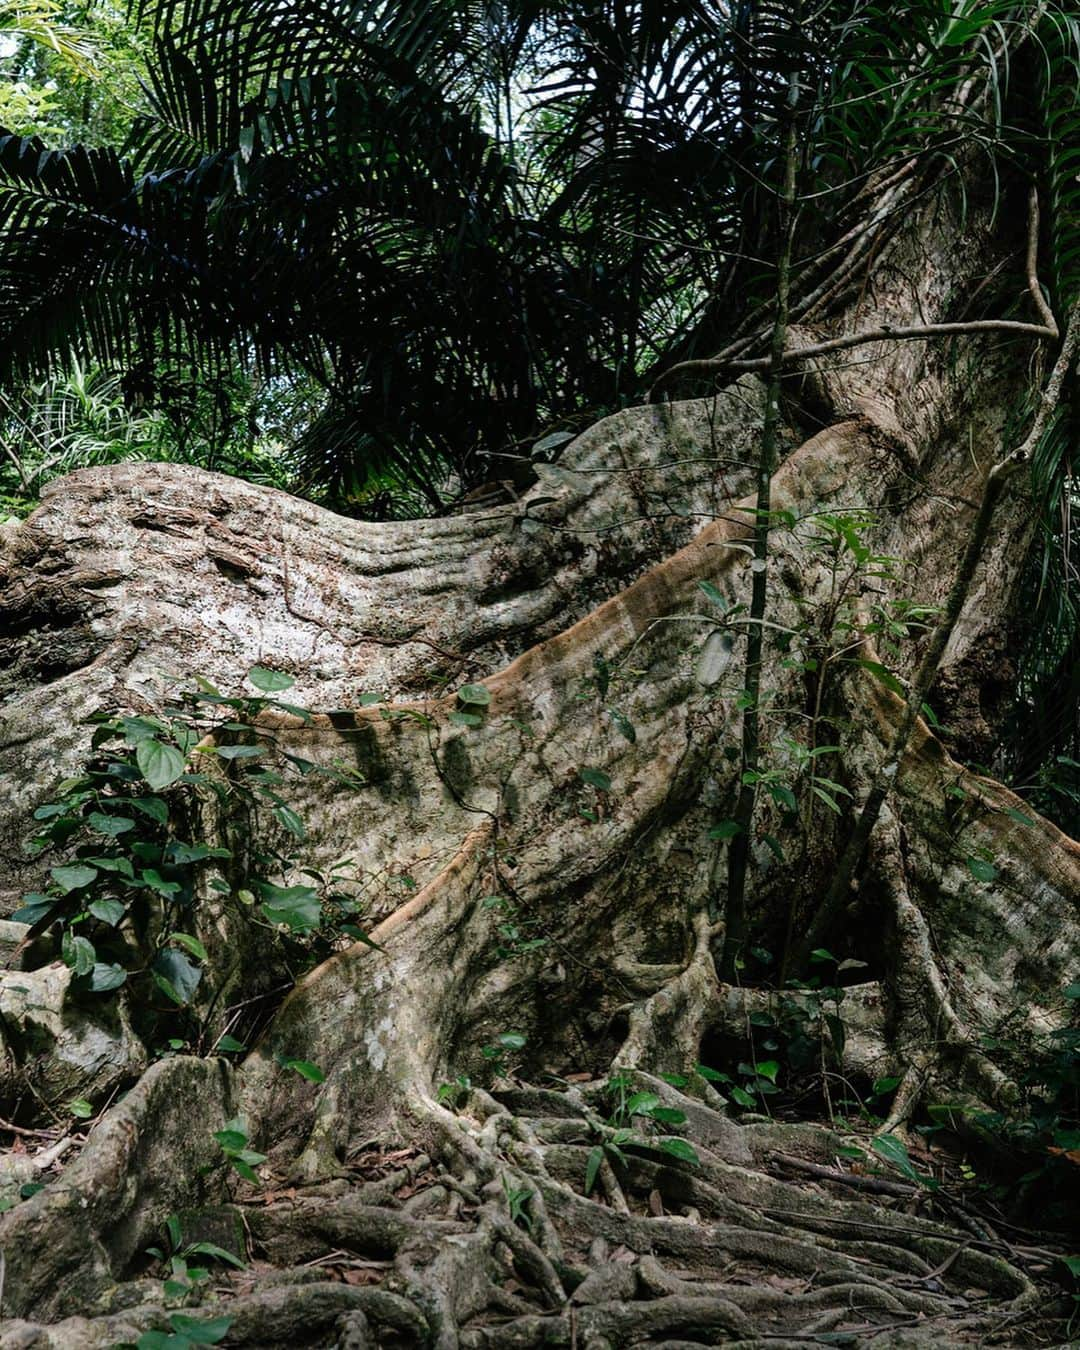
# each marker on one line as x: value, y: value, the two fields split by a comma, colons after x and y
x: 42, y: 22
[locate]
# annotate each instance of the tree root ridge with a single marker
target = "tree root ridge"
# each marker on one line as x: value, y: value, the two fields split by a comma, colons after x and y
x: 489, y: 1239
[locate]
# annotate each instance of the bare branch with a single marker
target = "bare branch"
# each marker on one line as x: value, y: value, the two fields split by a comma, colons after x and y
x: 1044, y: 310
x: 1047, y: 330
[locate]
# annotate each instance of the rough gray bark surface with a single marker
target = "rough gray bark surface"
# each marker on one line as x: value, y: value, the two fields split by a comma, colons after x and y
x: 129, y: 577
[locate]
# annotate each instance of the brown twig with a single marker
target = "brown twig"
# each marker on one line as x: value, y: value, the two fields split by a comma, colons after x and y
x: 25, y: 1132
x: 1044, y: 310
x: 876, y: 1185
x: 883, y: 333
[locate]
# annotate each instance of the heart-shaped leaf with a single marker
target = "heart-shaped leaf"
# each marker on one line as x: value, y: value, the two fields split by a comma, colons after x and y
x: 159, y: 764
x: 269, y: 681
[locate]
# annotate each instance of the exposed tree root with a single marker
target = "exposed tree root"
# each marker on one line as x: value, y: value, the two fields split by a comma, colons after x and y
x: 475, y: 1230
x: 487, y: 1239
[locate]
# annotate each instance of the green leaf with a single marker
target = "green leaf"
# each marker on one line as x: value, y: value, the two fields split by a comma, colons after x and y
x: 191, y: 944
x: 931, y: 717
x: 679, y: 1148
x: 104, y: 978
x: 358, y: 934
x: 136, y: 729
x: 1018, y: 816
x: 982, y: 870
x: 743, y: 1097
x: 642, y: 1103
x: 110, y: 826
x: 73, y: 878
x: 711, y: 593
x: 829, y: 800
x: 287, y: 817
x: 596, y: 778
x: 476, y: 694
x: 79, y: 954
x: 821, y: 954
x: 783, y: 796
x: 201, y: 1330
x: 36, y: 908
x: 121, y: 865
x: 886, y: 678
x: 154, y: 881
x: 229, y: 1044
x: 893, y: 1150
x: 218, y: 1253
x: 108, y: 911
x: 175, y: 976
x: 512, y: 1040
x: 464, y: 719
x: 161, y: 1340
x: 727, y: 829
x: 623, y: 724
x: 302, y: 766
x: 305, y: 1069
x: 159, y: 764
x: 241, y: 751
x: 243, y: 1164
x: 668, y: 1115
x: 883, y: 1085
x: 712, y: 1075
x: 269, y: 681
x: 592, y: 1167
x: 233, y: 1137
x: 767, y: 1068
x: 295, y: 906
x: 1073, y: 991
x: 850, y: 1151
x: 369, y: 700
x: 552, y: 442
x: 81, y: 1108
x: 188, y: 853
x: 774, y: 846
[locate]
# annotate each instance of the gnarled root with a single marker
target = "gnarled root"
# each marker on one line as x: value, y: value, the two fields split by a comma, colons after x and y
x: 489, y: 1239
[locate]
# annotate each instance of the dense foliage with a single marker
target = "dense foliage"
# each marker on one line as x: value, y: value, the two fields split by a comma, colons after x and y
x: 374, y: 252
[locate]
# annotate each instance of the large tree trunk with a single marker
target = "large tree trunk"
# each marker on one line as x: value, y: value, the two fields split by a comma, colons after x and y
x: 127, y: 575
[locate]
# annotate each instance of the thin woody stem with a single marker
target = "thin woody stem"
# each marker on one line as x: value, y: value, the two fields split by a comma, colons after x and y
x: 1044, y: 310
x: 942, y: 632
x: 738, y: 857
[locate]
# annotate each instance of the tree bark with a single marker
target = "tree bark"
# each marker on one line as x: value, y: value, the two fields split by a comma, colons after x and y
x: 128, y: 575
